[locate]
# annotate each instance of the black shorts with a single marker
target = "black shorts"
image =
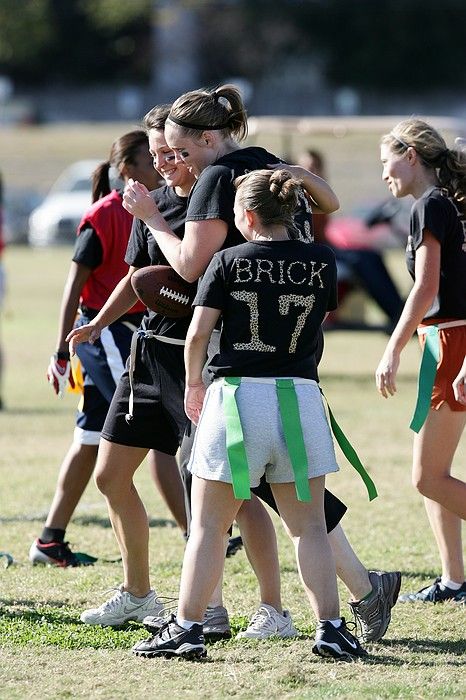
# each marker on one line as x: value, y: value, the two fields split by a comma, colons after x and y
x: 158, y: 421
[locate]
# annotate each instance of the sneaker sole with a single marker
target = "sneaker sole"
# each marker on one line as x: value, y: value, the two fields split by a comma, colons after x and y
x: 405, y: 599
x: 198, y: 652
x: 48, y: 561
x: 275, y: 635
x: 216, y: 636
x: 327, y: 651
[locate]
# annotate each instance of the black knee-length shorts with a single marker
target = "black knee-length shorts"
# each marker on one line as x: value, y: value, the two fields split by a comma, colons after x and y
x: 158, y: 419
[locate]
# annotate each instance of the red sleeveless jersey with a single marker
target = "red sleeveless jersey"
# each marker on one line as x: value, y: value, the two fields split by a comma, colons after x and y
x: 112, y: 223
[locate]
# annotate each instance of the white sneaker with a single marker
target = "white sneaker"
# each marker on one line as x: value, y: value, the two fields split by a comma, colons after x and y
x: 122, y: 608
x: 267, y: 622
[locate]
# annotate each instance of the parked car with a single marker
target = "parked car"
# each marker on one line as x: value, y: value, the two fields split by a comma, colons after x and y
x: 55, y: 220
x: 18, y: 203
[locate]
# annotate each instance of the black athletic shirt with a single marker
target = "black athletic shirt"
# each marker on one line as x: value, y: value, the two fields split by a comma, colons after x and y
x: 439, y: 214
x: 143, y: 251
x: 213, y: 195
x: 88, y: 248
x: 273, y: 297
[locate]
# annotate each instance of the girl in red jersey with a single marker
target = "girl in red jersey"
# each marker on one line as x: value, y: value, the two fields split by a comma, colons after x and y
x: 97, y: 266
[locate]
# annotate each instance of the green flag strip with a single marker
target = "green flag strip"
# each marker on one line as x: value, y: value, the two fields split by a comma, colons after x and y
x: 350, y: 453
x: 293, y: 432
x: 236, y: 451
x: 427, y: 372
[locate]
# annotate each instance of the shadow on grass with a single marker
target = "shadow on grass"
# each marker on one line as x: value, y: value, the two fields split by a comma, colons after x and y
x: 420, y: 647
x: 84, y: 520
x: 54, y: 617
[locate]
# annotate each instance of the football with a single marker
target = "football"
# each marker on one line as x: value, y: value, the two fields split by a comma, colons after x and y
x: 162, y: 290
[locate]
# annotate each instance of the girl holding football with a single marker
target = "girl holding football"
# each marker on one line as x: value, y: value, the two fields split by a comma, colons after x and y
x: 204, y: 128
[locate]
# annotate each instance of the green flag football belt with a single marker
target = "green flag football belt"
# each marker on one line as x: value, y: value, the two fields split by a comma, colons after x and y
x: 428, y: 370
x: 292, y: 430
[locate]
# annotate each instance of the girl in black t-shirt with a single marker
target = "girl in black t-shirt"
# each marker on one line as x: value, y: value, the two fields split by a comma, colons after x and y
x: 273, y: 294
x: 157, y: 420
x: 417, y: 161
x: 204, y: 129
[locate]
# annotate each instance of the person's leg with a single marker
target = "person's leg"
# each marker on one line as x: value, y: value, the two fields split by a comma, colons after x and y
x: 433, y: 452
x: 75, y: 471
x: 446, y: 527
x: 444, y: 499
x: 134, y: 599
x: 116, y: 465
x: 260, y: 542
x: 305, y: 524
x: 166, y: 476
x: 213, y: 510
x: 349, y: 568
x: 369, y: 267
x: 74, y: 475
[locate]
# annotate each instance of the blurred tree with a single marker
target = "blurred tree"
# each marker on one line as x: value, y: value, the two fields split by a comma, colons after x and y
x: 367, y: 44
x: 382, y: 44
x: 75, y: 41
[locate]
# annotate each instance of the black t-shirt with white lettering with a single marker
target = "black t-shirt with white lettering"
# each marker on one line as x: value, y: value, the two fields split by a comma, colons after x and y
x: 213, y: 195
x: 143, y: 250
x: 438, y: 213
x: 273, y: 297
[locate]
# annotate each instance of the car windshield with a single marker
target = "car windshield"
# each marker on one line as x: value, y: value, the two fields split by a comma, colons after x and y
x: 83, y: 185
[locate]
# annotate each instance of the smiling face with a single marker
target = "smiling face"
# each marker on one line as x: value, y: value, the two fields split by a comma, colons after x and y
x: 174, y: 172
x: 398, y: 171
x: 197, y: 154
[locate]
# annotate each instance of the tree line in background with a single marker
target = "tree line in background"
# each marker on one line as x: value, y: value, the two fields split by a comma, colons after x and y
x: 367, y: 44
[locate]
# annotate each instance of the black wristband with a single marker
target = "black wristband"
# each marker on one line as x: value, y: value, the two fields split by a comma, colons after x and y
x: 62, y: 355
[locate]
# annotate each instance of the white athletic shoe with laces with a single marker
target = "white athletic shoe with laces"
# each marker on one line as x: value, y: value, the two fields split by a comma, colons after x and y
x: 122, y: 608
x: 267, y: 622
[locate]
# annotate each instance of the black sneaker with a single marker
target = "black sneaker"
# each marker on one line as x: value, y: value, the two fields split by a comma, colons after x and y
x: 435, y: 593
x: 336, y: 643
x: 58, y: 554
x: 173, y: 640
x: 234, y: 545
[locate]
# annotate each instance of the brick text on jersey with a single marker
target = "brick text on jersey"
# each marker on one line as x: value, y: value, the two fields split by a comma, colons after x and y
x: 298, y: 272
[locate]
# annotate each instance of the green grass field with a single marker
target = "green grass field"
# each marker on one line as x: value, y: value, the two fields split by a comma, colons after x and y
x: 46, y: 652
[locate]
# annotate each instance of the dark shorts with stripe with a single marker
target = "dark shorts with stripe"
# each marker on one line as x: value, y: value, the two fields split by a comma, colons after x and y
x: 102, y: 365
x: 158, y: 421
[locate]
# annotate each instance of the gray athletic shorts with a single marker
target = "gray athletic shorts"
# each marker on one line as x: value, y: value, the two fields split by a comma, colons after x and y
x: 263, y: 434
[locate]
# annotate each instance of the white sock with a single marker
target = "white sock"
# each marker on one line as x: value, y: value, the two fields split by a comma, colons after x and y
x: 186, y: 624
x: 336, y: 623
x: 137, y: 598
x: 446, y: 583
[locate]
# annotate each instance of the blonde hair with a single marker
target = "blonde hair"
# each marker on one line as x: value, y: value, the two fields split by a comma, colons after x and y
x: 272, y: 194
x: 429, y: 144
x: 220, y: 109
